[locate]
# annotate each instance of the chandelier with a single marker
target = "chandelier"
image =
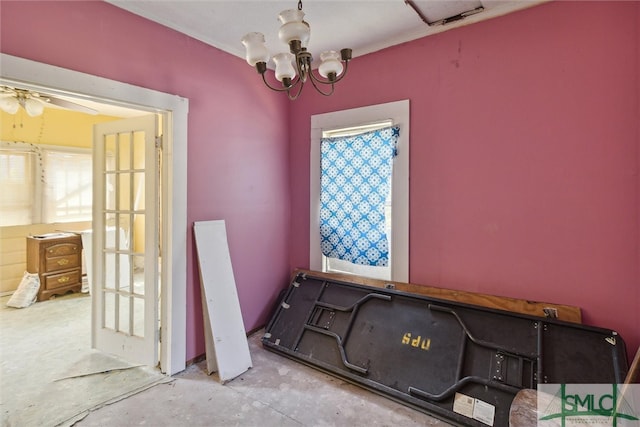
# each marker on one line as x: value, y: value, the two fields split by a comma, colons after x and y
x: 293, y: 68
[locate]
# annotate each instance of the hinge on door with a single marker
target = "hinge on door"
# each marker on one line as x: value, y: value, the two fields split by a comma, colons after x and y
x: 159, y: 142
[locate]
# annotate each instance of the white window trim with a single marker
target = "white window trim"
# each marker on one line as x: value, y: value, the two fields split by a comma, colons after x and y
x: 398, y: 112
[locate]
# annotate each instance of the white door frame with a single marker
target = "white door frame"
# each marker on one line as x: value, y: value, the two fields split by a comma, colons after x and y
x: 174, y: 109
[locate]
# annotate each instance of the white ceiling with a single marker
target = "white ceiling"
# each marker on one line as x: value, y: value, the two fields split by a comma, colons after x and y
x: 363, y: 25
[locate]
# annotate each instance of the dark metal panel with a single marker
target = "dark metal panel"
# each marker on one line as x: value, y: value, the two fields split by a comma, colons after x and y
x: 423, y: 352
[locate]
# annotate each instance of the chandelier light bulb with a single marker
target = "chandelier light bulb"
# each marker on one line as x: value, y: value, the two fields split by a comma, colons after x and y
x: 284, y: 66
x: 9, y: 104
x: 293, y: 27
x: 256, y: 49
x: 330, y: 64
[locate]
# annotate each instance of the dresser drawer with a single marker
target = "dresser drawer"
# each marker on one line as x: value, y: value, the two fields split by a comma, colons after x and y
x: 62, y: 279
x: 62, y: 249
x: 57, y: 258
x: 62, y: 262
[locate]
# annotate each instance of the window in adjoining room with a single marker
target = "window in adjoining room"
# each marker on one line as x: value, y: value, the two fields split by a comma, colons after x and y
x: 68, y: 178
x: 44, y: 184
x: 18, y: 182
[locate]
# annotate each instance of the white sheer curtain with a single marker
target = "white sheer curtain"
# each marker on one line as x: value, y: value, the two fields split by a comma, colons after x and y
x: 68, y: 178
x: 18, y: 183
x: 44, y: 184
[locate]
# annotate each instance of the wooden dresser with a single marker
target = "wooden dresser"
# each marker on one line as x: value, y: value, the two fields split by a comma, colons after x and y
x: 57, y: 258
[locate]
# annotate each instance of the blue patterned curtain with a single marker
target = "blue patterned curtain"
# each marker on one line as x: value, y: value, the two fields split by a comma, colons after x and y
x: 355, y: 183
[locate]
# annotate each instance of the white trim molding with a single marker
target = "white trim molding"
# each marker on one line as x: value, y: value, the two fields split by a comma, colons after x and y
x: 398, y: 112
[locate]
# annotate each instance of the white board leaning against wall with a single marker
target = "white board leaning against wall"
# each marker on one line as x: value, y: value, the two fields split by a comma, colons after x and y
x: 226, y: 342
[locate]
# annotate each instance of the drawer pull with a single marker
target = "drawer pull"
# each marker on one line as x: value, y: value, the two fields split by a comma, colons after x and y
x: 63, y: 261
x: 64, y: 279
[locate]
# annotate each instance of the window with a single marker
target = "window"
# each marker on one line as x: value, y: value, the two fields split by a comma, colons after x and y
x: 356, y: 198
x: 44, y: 184
x: 68, y: 178
x: 349, y: 122
x: 18, y: 183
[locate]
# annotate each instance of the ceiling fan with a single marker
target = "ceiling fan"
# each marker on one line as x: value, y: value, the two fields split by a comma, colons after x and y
x: 11, y: 99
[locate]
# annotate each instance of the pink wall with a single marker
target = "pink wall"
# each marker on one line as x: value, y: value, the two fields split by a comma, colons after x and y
x: 238, y: 135
x: 524, y: 156
x: 524, y: 168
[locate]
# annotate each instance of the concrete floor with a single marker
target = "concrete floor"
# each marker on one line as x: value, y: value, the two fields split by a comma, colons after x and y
x: 49, y: 375
x: 51, y: 340
x: 275, y: 392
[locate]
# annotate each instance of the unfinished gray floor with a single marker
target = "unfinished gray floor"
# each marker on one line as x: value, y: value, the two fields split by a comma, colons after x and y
x: 50, y: 340
x: 49, y: 375
x: 275, y: 392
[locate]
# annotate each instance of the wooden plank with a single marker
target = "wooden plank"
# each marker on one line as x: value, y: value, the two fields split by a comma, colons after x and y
x: 533, y: 308
x: 226, y: 342
x: 630, y: 380
x: 12, y: 244
x: 10, y: 277
x: 634, y: 370
x: 12, y: 258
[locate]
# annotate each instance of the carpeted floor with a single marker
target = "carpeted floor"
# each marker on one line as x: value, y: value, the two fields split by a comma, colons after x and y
x: 49, y: 375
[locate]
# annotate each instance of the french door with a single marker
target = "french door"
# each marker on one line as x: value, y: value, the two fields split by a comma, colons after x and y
x: 125, y: 239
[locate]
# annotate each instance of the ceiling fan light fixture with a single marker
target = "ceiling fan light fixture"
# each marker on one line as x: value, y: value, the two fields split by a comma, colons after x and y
x: 33, y: 108
x: 293, y: 68
x: 34, y: 103
x: 9, y: 104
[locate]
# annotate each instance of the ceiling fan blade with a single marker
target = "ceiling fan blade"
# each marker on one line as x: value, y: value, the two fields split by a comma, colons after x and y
x: 63, y: 103
x: 6, y: 90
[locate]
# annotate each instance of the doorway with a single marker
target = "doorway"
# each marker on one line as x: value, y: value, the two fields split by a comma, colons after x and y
x: 126, y: 222
x: 173, y: 110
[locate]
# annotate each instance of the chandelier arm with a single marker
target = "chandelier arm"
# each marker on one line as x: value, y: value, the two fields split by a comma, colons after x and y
x: 328, y: 82
x: 315, y: 79
x: 278, y: 89
x: 344, y: 72
x: 294, y: 97
x: 303, y: 65
x: 315, y: 84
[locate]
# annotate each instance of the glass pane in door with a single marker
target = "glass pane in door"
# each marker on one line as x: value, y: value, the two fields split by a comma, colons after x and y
x: 124, y: 233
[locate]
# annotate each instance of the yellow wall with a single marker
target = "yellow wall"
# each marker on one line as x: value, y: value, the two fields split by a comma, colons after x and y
x: 53, y: 127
